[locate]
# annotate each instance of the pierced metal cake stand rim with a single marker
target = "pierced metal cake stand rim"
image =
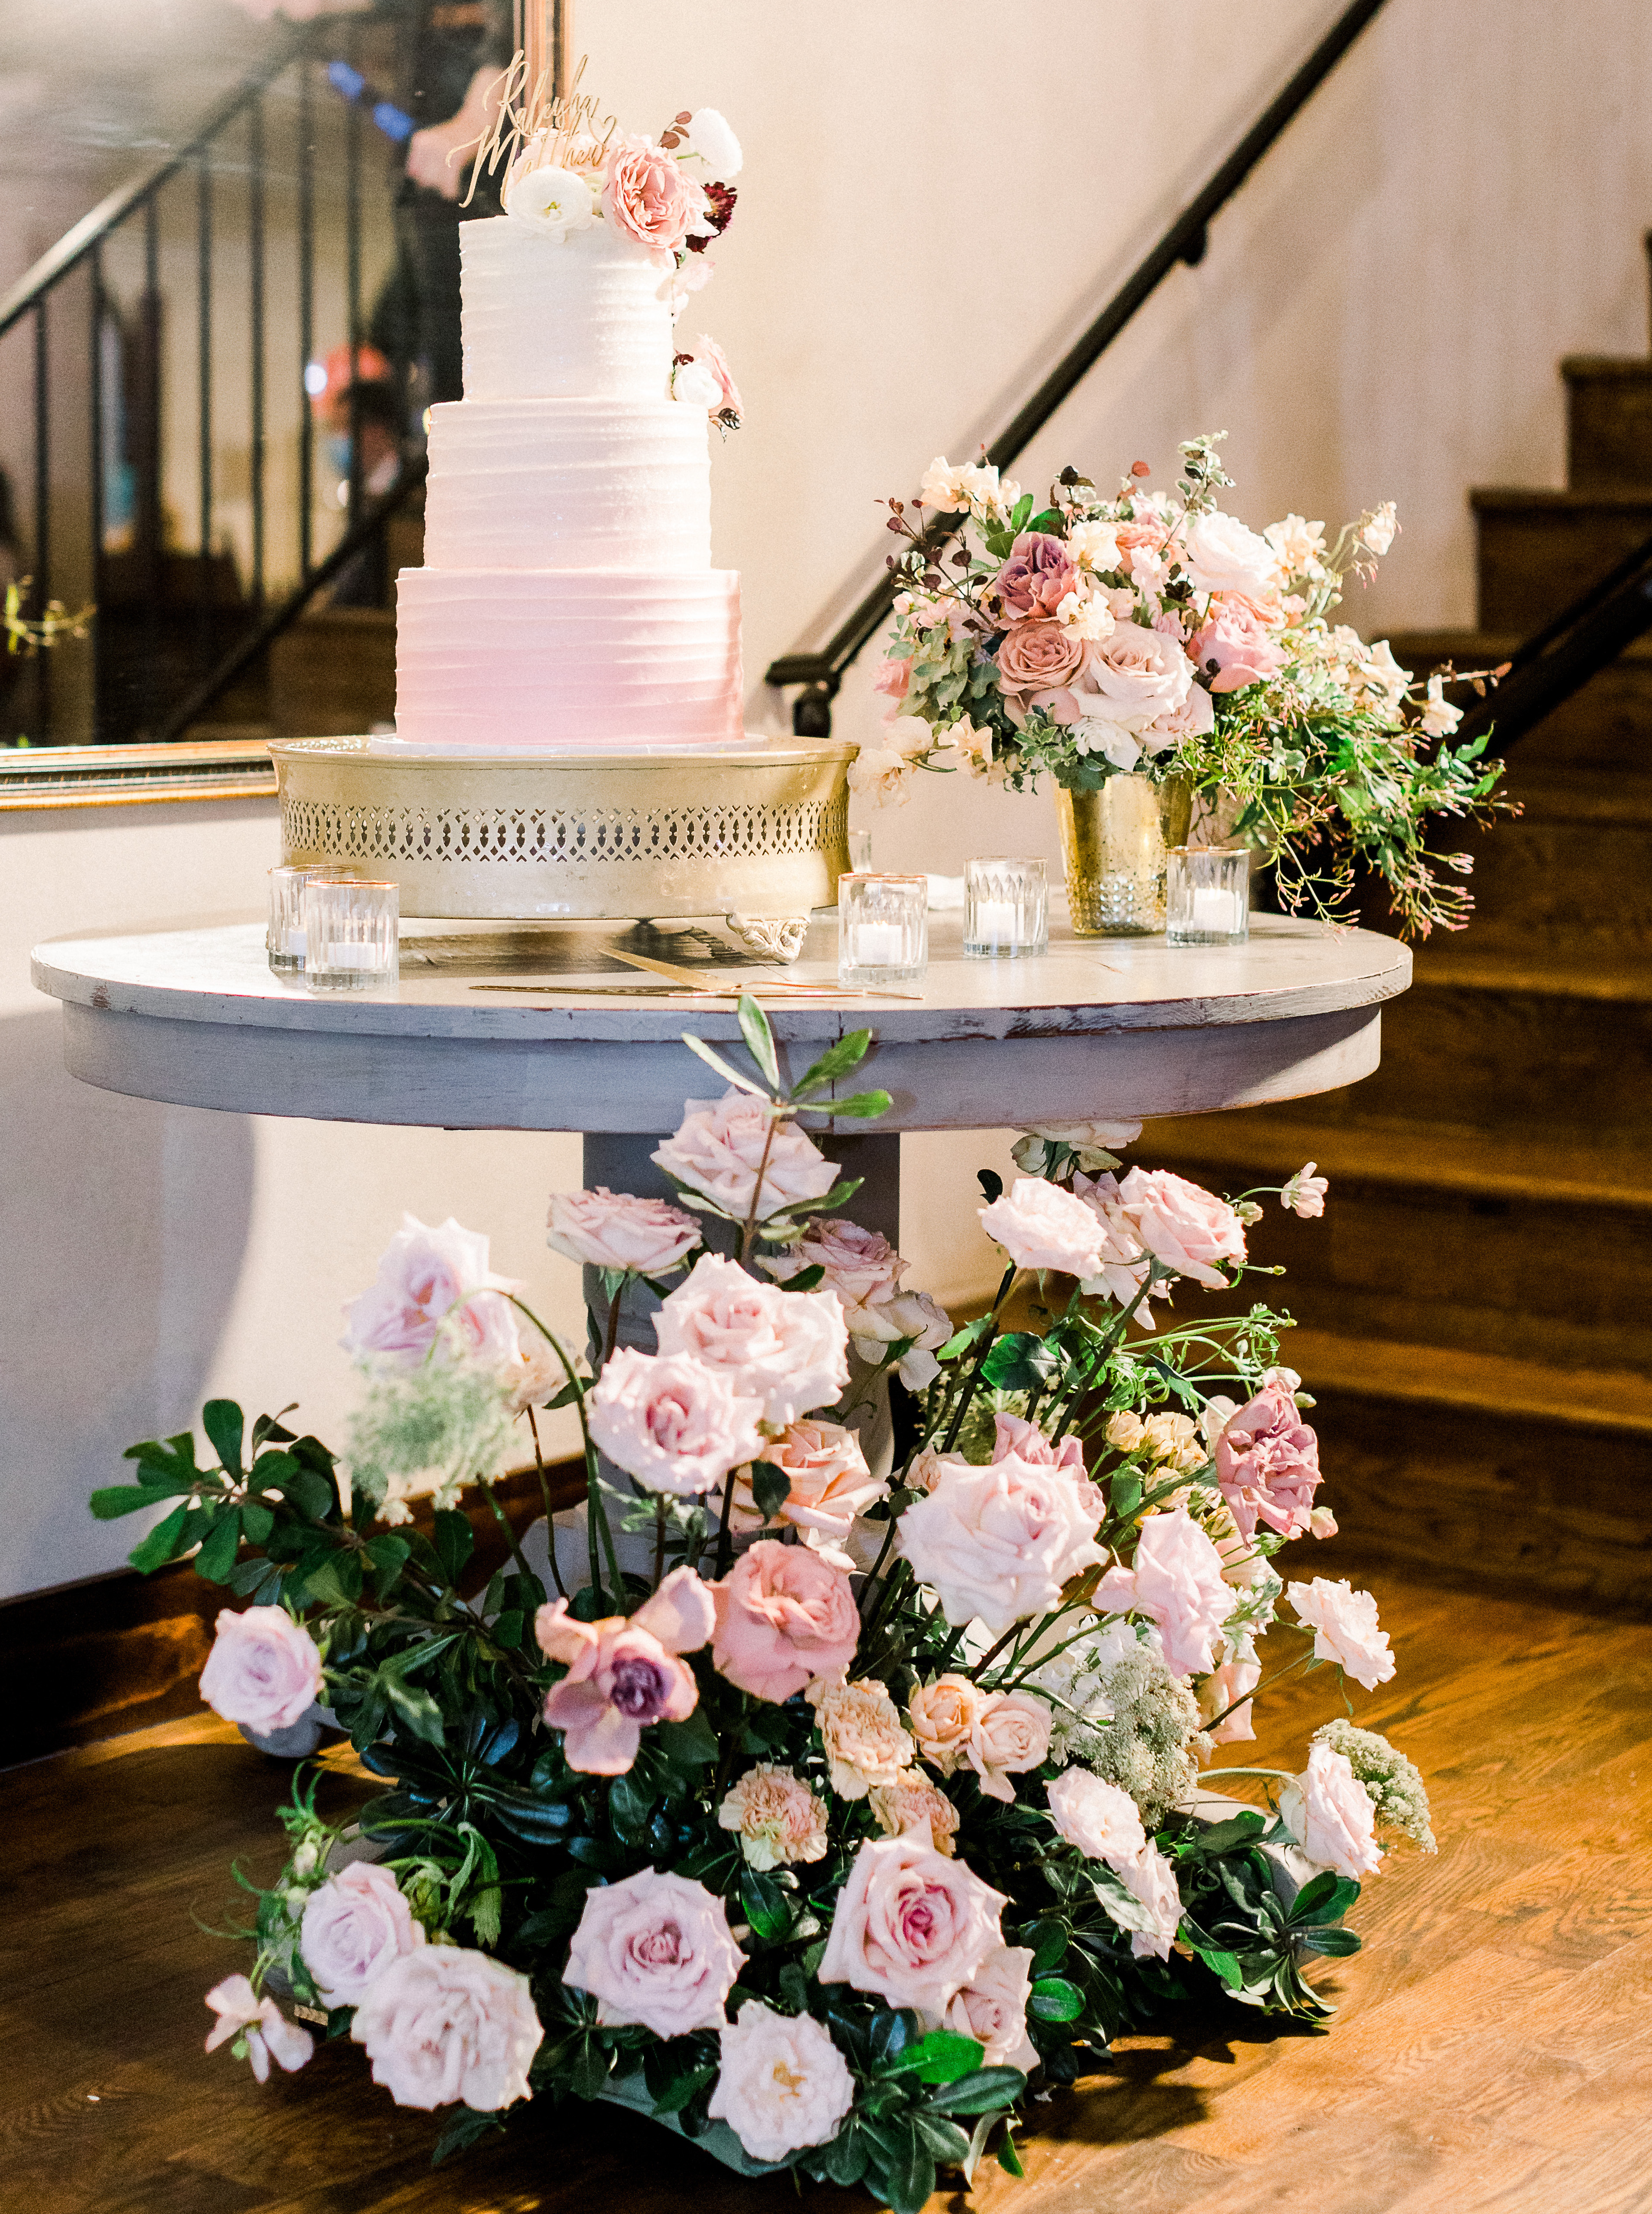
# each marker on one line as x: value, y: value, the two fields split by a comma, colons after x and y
x: 777, y: 754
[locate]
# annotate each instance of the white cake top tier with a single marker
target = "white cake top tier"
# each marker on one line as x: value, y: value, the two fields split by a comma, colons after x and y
x: 577, y: 318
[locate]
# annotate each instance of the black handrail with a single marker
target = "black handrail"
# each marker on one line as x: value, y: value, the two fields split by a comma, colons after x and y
x: 1560, y: 658
x: 1185, y: 240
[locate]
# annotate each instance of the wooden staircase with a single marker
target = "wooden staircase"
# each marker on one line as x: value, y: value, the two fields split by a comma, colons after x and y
x: 1476, y: 1307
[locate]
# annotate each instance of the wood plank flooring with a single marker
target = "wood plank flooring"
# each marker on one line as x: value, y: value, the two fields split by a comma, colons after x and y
x: 1492, y: 2052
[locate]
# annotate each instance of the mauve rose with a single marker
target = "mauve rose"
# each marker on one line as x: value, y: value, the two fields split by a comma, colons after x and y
x: 992, y: 2010
x: 1040, y: 1226
x: 943, y: 1715
x: 269, y: 2034
x: 781, y: 2082
x: 616, y: 1230
x: 860, y: 1266
x: 1011, y: 1735
x: 1268, y: 1464
x: 1221, y: 555
x: 1345, y: 1627
x: 1182, y: 1225
x: 671, y: 1422
x: 1041, y: 656
x: 355, y: 1924
x: 998, y: 1543
x: 646, y: 196
x: 784, y: 1617
x: 655, y: 1950
x: 1102, y: 1822
x: 623, y: 1673
x: 790, y: 1349
x: 442, y: 2024
x: 1137, y: 675
x: 831, y: 1485
x: 1328, y: 1812
x: 1034, y: 581
x: 423, y: 1274
x: 911, y: 1926
x: 1176, y: 1581
x: 263, y: 1672
x: 719, y: 1144
x: 1234, y: 647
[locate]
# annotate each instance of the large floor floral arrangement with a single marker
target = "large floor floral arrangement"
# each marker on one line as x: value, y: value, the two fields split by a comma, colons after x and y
x: 871, y: 1801
x: 1154, y: 634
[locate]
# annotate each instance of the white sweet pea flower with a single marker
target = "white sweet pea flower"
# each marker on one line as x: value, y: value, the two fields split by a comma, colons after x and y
x: 1086, y: 615
x: 1300, y: 546
x: 1439, y: 718
x: 1094, y: 545
x: 1377, y: 528
x: 943, y: 486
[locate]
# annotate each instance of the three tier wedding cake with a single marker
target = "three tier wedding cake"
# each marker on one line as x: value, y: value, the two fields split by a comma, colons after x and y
x: 568, y: 601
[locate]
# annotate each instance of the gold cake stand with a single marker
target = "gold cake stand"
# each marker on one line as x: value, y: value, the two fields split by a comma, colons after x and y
x: 757, y: 835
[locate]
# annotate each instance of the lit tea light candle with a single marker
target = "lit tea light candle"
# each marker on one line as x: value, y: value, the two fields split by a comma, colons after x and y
x: 994, y: 923
x: 877, y: 945
x: 1217, y: 910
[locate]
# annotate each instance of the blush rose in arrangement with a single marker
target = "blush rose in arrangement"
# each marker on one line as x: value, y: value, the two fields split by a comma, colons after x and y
x: 852, y: 1789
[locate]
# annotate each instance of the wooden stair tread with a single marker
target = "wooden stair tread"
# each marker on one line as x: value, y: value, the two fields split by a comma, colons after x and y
x: 1478, y: 1383
x: 1615, y: 975
x: 1560, y: 498
x: 1431, y: 1157
x: 1631, y: 368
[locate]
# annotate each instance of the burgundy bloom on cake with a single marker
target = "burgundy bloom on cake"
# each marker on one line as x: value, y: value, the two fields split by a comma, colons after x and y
x: 719, y: 213
x: 1268, y: 1464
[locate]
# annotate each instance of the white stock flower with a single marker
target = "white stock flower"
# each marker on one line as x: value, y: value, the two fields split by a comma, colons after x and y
x: 1345, y: 1627
x: 1304, y: 1194
x: 881, y: 772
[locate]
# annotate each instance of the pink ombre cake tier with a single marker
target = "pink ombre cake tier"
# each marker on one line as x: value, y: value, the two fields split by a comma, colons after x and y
x: 498, y: 659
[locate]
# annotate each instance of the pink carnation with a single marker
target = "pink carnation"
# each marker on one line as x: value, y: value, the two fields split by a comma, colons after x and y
x: 1176, y: 1581
x: 1268, y: 1464
x: 268, y: 2034
x: 1235, y: 648
x: 1345, y: 1627
x: 784, y: 1617
x: 622, y: 1672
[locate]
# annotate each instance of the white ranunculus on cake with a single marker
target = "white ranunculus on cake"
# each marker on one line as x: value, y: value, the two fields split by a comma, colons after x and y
x: 875, y: 1807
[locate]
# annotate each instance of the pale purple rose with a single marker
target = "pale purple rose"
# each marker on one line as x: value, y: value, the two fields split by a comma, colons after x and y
x: 623, y: 1673
x: 1040, y: 657
x: 1024, y: 1441
x: 860, y: 1265
x: 671, y: 1422
x: 263, y: 1672
x: 910, y: 1925
x: 720, y: 1146
x: 997, y: 1543
x: 423, y: 1276
x: 443, y: 2024
x: 655, y: 1950
x: 1033, y: 582
x: 1040, y: 1226
x: 1345, y: 1627
x: 1175, y: 1581
x: 1181, y: 1224
x: 609, y: 1229
x: 1235, y: 647
x: 788, y: 1349
x: 1268, y: 1464
x: 355, y: 1924
x: 270, y: 2036
x: 1328, y: 1812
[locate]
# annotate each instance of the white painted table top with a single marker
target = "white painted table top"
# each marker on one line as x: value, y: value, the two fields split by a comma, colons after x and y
x: 1096, y: 1026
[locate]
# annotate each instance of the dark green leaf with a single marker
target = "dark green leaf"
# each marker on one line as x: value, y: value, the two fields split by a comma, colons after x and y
x: 676, y: 2095
x: 944, y: 2139
x: 940, y: 2058
x: 157, y: 1549
x: 771, y: 1487
x: 1225, y: 1965
x: 455, y: 1541
x: 222, y: 1542
x: 844, y: 2160
x: 389, y: 1555
x: 837, y: 1061
x: 1008, y: 2159
x: 1053, y: 1999
x: 1021, y: 1361
x: 414, y: 1708
x: 978, y: 2094
x: 991, y: 1183
x: 114, y: 1500
x: 629, y: 1805
x: 1334, y: 1943
x: 806, y: 1279
x: 691, y: 1744
x: 1238, y: 1830
x: 256, y: 1521
x: 225, y: 1425
x: 467, y: 2128
x: 766, y: 1907
x: 962, y: 1340
x: 1049, y: 1943
x: 908, y: 2173
x: 1326, y: 1898
x: 314, y: 1493
x: 760, y: 1039
x: 861, y: 1105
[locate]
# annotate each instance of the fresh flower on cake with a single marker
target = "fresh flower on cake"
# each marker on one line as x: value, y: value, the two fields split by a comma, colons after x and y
x: 1154, y: 634
x: 839, y: 1803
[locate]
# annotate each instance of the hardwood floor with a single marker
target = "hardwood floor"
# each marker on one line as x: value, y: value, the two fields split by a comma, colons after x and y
x: 1492, y: 2052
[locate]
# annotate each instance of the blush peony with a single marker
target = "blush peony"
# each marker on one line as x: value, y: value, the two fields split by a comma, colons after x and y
x: 784, y: 1617
x: 1328, y: 1812
x: 1268, y: 1464
x: 1040, y: 1226
x: 1186, y: 1227
x: 997, y: 1543
x: 781, y: 2082
x: 911, y: 1926
x: 671, y: 1422
x: 1176, y: 1581
x: 719, y: 1148
x: 1345, y: 1627
x: 442, y: 2024
x: 623, y: 1673
x: 609, y: 1229
x: 655, y: 1950
x: 263, y: 1672
x: 789, y: 1349
x: 355, y: 1924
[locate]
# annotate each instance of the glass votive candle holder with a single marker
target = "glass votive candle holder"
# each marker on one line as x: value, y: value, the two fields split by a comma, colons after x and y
x: 284, y: 940
x: 882, y: 929
x: 351, y: 925
x: 1207, y: 895
x: 859, y: 851
x: 1006, y: 907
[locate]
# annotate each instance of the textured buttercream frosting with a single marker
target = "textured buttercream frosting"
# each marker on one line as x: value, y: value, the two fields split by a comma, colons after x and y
x: 567, y: 599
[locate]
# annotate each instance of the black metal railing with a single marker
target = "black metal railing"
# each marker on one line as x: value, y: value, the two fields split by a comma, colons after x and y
x: 175, y: 480
x: 820, y: 671
x: 1561, y: 657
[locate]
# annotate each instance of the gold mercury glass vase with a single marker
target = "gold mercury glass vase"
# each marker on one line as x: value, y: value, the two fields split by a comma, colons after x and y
x: 1113, y: 844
